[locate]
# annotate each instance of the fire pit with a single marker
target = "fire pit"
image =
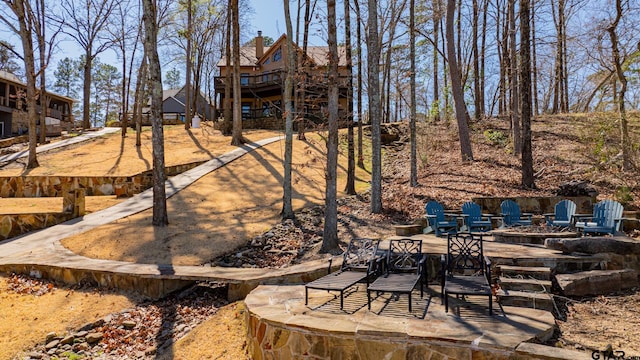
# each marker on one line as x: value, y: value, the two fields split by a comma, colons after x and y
x: 534, y: 234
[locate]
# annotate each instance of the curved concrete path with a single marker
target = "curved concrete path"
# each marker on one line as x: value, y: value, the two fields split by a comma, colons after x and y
x: 41, y: 252
x: 58, y: 144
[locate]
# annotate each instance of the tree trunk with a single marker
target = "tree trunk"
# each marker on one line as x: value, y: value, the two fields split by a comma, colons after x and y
x: 435, y: 107
x: 139, y: 95
x: 187, y: 102
x: 305, y: 72
x: 412, y: 121
x: 534, y: 59
x: 360, y: 112
x: 42, y: 45
x: 525, y: 93
x: 559, y: 80
x: 373, y: 72
x: 330, y: 233
x: 236, y: 135
x: 86, y: 90
x: 476, y: 63
x: 456, y: 86
x: 350, y: 188
x: 615, y: 52
x: 160, y: 217
x: 287, y: 208
x: 228, y: 114
x: 515, y: 99
x: 483, y: 47
x: 22, y: 9
x: 503, y: 54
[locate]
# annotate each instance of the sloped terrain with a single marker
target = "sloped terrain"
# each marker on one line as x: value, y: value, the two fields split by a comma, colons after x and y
x: 581, y: 147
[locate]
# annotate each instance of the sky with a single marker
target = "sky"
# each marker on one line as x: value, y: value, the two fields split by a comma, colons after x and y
x: 268, y: 16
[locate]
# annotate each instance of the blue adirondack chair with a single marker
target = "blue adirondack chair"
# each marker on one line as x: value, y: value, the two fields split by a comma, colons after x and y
x: 439, y: 222
x: 474, y: 220
x: 606, y: 218
x: 563, y: 215
x: 511, y: 215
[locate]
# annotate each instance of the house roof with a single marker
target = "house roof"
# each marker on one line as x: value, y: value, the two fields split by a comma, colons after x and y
x: 318, y: 54
x: 9, y: 77
x: 247, y: 56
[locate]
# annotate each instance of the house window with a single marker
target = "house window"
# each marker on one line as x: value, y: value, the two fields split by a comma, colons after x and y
x: 277, y: 55
x: 267, y: 61
x: 246, y: 110
x: 244, y: 79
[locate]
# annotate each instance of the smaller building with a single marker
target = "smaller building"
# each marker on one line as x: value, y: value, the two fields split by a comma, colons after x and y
x: 13, y: 108
x: 173, y: 107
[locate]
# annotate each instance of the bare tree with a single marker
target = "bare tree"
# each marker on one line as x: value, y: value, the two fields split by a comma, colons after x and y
x: 513, y: 81
x: 139, y: 97
x: 189, y: 58
x: 617, y: 62
x: 525, y: 94
x: 126, y: 36
x: 160, y: 217
x: 534, y: 59
x: 287, y: 208
x: 373, y: 72
x: 351, y: 160
x: 236, y: 136
x: 228, y: 115
x: 559, y: 81
x: 309, y: 8
x: 412, y: 121
x: 330, y: 233
x: 86, y: 21
x: 25, y: 17
x: 359, y: 81
x: 435, y: 105
x: 456, y: 86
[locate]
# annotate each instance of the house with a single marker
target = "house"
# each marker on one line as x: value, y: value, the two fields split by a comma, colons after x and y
x: 173, y: 107
x: 263, y: 71
x: 13, y: 108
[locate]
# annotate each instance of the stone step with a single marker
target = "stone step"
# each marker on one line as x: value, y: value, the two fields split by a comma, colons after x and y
x: 542, y: 301
x: 560, y: 265
x: 597, y: 282
x: 524, y: 284
x: 541, y: 273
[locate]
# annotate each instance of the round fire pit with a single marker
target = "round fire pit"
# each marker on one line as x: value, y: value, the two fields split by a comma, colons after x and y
x: 535, y: 234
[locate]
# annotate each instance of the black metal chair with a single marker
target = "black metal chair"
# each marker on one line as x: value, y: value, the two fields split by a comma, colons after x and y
x: 465, y: 270
x: 404, y: 269
x: 359, y: 264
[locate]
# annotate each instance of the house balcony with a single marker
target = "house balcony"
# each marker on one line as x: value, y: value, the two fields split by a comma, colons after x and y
x: 254, y: 82
x: 275, y: 79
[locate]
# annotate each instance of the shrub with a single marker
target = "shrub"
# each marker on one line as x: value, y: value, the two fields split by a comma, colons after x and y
x: 496, y: 137
x: 624, y: 195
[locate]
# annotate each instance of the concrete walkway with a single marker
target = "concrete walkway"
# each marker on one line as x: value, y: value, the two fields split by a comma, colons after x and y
x: 62, y: 143
x: 41, y: 252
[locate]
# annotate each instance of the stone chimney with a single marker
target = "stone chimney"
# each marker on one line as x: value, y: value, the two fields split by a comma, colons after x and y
x: 259, y: 45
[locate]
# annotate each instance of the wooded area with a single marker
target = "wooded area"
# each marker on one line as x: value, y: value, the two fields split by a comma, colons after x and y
x: 418, y: 61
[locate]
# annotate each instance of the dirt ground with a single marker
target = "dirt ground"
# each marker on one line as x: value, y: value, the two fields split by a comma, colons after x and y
x: 243, y: 200
x: 219, y: 212
x: 604, y: 321
x: 211, y: 217
x: 26, y: 318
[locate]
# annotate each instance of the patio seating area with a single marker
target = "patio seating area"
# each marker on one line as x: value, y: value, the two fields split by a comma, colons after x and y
x: 282, y: 327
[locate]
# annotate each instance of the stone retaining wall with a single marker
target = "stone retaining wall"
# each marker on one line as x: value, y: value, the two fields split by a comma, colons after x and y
x: 16, y: 224
x: 57, y: 186
x: 13, y: 140
x: 280, y: 326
